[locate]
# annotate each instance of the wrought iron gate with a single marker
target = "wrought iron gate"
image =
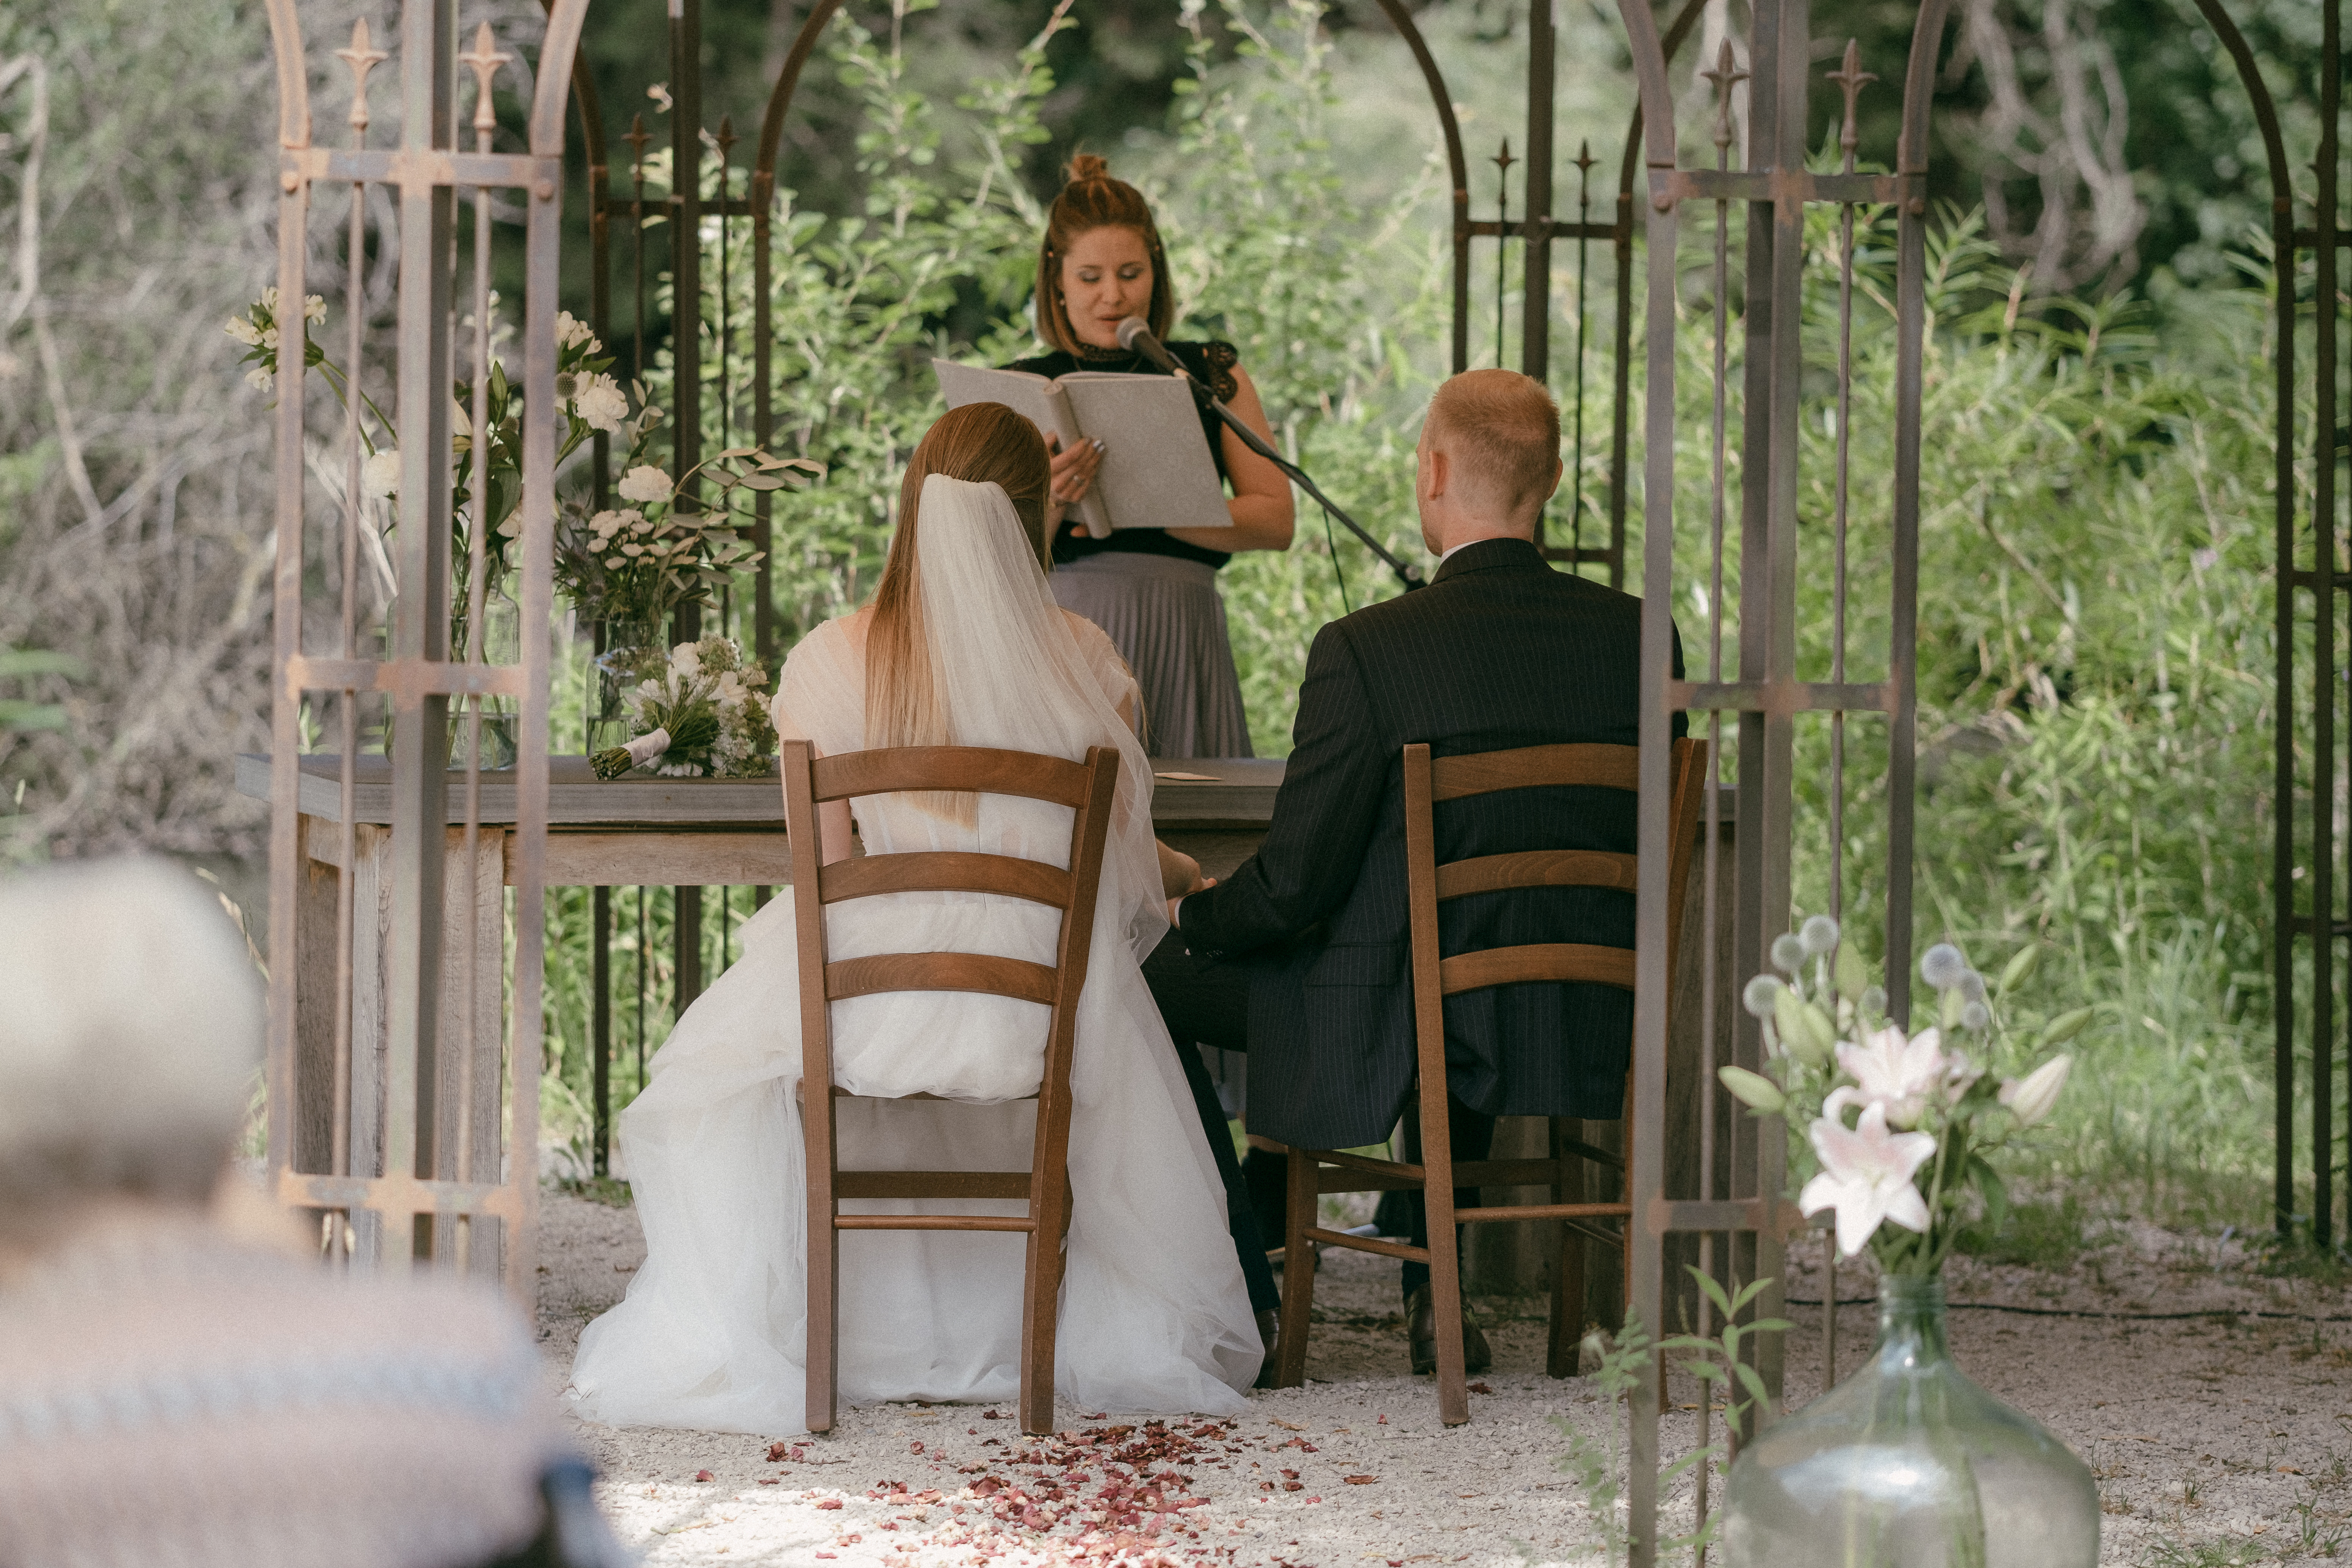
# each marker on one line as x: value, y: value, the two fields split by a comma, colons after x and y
x: 403, y: 1098
x: 1761, y: 178
x: 2306, y: 788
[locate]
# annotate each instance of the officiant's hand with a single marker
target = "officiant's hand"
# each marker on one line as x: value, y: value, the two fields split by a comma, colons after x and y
x: 1074, y: 474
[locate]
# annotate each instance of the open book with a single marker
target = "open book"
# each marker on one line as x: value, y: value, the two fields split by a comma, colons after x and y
x: 1156, y: 469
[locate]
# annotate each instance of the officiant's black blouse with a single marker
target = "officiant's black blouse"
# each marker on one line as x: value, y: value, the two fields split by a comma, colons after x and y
x: 1212, y: 364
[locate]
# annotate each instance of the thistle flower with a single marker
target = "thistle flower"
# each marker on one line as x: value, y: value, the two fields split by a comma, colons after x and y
x: 1941, y: 966
x: 1788, y: 953
x: 1760, y: 994
x: 644, y: 484
x: 1865, y: 1176
x: 1976, y: 1015
x: 1818, y: 935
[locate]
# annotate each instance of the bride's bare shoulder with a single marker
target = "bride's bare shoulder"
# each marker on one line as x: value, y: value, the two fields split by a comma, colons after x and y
x: 1091, y: 637
x: 841, y: 634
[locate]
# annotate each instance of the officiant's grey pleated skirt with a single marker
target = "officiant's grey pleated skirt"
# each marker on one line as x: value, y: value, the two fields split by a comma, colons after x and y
x: 1165, y: 618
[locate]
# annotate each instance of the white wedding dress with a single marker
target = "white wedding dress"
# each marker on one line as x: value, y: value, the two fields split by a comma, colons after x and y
x: 1154, y: 1316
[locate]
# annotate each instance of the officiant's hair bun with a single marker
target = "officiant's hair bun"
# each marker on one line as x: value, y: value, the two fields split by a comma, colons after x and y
x: 1091, y: 199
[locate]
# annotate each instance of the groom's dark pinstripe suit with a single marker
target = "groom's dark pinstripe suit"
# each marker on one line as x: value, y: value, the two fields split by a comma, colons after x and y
x: 1500, y: 651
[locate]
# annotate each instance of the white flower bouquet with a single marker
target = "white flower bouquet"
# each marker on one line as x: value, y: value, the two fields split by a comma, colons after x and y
x: 1900, y: 1130
x: 699, y: 712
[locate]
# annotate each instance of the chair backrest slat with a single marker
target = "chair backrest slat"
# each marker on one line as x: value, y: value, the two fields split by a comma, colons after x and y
x: 1536, y: 868
x: 1429, y: 780
x: 944, y: 871
x: 961, y: 769
x: 940, y: 972
x: 1583, y: 765
x: 1573, y: 961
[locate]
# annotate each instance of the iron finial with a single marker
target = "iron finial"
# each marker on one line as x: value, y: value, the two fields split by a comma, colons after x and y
x: 485, y: 61
x: 1851, y: 78
x: 1726, y: 76
x: 362, y: 57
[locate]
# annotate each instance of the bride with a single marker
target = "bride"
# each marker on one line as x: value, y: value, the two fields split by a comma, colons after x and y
x: 962, y: 645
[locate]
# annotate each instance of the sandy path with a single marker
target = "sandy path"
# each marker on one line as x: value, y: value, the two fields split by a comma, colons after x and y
x: 2216, y: 1439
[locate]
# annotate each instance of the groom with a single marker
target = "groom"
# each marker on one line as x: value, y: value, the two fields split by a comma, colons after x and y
x: 1300, y: 957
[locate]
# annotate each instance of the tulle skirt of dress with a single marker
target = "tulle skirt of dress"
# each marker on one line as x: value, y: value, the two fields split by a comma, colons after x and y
x: 712, y: 1334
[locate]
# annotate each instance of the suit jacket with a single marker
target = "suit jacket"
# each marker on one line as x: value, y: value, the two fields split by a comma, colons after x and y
x: 1499, y: 651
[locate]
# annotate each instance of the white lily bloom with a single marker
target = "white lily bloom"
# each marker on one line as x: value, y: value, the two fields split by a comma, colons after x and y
x: 2032, y: 1096
x: 1866, y: 1177
x: 571, y: 332
x: 242, y: 329
x: 644, y: 483
x: 380, y: 475
x: 601, y: 405
x: 1890, y: 1073
x: 260, y: 378
x: 314, y: 309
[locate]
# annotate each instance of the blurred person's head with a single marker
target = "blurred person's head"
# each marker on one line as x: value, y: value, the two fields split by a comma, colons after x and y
x: 130, y: 1022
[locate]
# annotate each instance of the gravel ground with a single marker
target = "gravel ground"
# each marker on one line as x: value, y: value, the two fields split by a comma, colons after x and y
x: 2222, y: 1438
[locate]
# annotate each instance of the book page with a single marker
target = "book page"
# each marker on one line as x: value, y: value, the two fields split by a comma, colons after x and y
x: 1040, y: 401
x: 1156, y: 470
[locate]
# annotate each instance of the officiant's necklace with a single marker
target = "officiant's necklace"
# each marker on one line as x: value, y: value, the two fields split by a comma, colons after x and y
x: 1123, y: 358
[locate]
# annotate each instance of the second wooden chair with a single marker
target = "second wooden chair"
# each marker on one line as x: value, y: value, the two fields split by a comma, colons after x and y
x: 1315, y: 1172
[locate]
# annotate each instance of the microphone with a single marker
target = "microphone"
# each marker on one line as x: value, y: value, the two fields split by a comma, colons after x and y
x: 1135, y: 337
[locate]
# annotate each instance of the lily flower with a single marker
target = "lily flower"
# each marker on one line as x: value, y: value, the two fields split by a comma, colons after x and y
x: 1890, y: 1073
x: 1865, y: 1176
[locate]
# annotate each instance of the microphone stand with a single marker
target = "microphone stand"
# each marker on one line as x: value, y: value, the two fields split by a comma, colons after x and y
x: 1407, y: 573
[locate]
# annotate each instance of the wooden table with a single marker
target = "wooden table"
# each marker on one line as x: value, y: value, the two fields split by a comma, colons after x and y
x: 628, y: 832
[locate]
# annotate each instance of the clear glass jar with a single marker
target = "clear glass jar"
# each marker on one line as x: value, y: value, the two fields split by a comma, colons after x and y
x: 1908, y: 1464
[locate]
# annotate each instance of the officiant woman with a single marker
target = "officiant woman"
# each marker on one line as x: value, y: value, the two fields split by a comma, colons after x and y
x: 1153, y: 589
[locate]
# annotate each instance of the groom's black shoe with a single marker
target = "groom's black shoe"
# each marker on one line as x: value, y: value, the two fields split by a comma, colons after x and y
x: 1420, y: 1334
x: 1269, y: 1332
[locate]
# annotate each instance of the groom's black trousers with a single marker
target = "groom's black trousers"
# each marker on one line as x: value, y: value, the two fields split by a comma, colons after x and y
x: 1205, y: 1002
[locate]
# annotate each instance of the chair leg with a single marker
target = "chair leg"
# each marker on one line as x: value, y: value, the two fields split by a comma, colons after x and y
x: 1445, y: 1292
x: 823, y: 1361
x: 1040, y: 1302
x: 1561, y: 1356
x: 1297, y: 1268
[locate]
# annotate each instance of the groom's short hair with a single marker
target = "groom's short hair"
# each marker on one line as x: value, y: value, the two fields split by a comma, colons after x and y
x: 1502, y: 429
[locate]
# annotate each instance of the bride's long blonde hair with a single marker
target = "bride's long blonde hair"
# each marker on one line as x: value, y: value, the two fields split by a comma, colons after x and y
x: 983, y: 443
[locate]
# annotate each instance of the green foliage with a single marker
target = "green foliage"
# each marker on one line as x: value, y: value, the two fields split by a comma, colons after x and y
x: 1624, y: 1360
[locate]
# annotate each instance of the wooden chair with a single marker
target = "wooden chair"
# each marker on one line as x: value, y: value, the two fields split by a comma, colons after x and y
x: 1087, y: 788
x: 1314, y: 1171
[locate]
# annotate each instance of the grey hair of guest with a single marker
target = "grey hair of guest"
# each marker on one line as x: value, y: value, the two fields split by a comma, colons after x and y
x: 130, y: 1023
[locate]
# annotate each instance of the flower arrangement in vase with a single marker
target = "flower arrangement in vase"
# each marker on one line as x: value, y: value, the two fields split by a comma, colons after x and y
x: 699, y: 712
x: 485, y: 470
x: 1906, y: 1462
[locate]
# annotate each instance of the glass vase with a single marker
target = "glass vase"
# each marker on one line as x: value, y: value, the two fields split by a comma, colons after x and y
x: 625, y: 642
x: 1908, y: 1464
